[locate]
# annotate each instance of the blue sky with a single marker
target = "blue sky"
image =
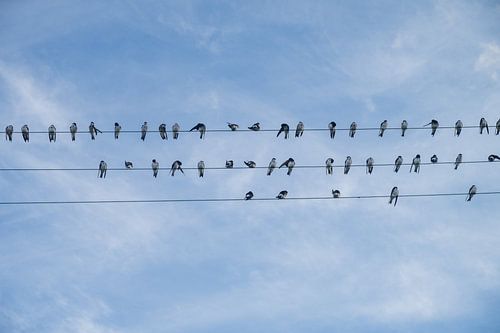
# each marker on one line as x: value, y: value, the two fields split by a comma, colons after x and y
x: 427, y: 265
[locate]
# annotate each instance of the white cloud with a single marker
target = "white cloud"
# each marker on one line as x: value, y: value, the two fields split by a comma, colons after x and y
x: 488, y: 61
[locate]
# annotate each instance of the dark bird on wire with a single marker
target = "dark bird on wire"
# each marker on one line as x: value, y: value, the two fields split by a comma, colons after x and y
x: 176, y: 166
x: 352, y: 129
x: 250, y: 164
x: 129, y: 165
x: 332, y: 126
x: 200, y: 127
x: 472, y: 192
x: 52, y: 133
x: 336, y: 194
x: 72, y: 129
x: 369, y: 165
x: 300, y: 129
x: 233, y: 127
x: 175, y: 130
x: 8, y: 132
x: 347, y: 165
x: 118, y: 128
x: 289, y: 163
x: 434, y: 126
x: 162, y: 129
x: 482, y: 125
x: 383, y: 127
x: 103, y: 168
x: 25, y: 131
x: 93, y: 130
x: 249, y: 195
x: 284, y: 129
x: 415, y: 164
x: 492, y: 157
x: 144, y: 130
x: 497, y: 127
x: 255, y: 127
x: 394, y: 195
x: 201, y: 168
x: 404, y: 127
x: 397, y: 163
x: 155, y: 166
x: 458, y: 160
x: 229, y: 164
x: 329, y: 166
x: 458, y: 127
x: 271, y: 166
x: 282, y: 194
x: 434, y: 159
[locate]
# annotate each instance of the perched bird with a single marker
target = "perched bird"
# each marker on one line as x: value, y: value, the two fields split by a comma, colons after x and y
x: 383, y: 127
x: 282, y: 195
x: 155, y: 166
x: 394, y: 195
x: 26, y: 133
x: 369, y: 165
x: 434, y: 158
x: 229, y: 164
x: 458, y: 160
x: 482, y: 125
x: 72, y: 129
x: 249, y: 195
x: 415, y: 163
x: 329, y: 166
x: 200, y: 127
x: 250, y: 164
x: 8, y: 132
x: 144, y: 130
x: 175, y: 130
x: 271, y: 166
x: 103, y: 168
x: 472, y: 192
x: 93, y: 130
x: 492, y: 157
x: 233, y: 127
x: 284, y: 129
x: 128, y: 165
x: 201, y: 168
x: 118, y: 128
x: 404, y: 127
x: 52, y: 133
x: 397, y: 163
x: 255, y: 127
x: 347, y: 165
x: 352, y: 129
x: 458, y: 127
x: 176, y: 166
x: 163, y: 131
x: 300, y: 129
x: 289, y: 163
x: 434, y: 126
x: 336, y: 194
x: 497, y: 127
x: 332, y: 126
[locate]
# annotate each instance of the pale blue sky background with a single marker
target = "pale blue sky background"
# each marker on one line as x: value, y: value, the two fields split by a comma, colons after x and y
x: 428, y: 265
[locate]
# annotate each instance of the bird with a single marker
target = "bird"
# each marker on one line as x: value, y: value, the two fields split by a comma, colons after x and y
x: 369, y: 165
x: 497, y: 127
x: 176, y: 166
x: 162, y: 129
x: 347, y: 165
x: 233, y: 127
x: 352, y: 129
x: 249, y: 195
x: 282, y: 194
x: 129, y: 165
x: 103, y: 168
x: 300, y: 129
x: 255, y: 127
x: 404, y: 127
x: 482, y: 125
x: 472, y: 192
x: 201, y: 169
x: 229, y: 164
x: 383, y: 127
x: 26, y: 133
x: 415, y: 163
x: 175, y: 130
x: 458, y: 127
x: 144, y: 130
x: 52, y: 133
x: 394, y: 195
x: 155, y: 166
x: 272, y: 165
x: 434, y: 126
x: 434, y: 158
x: 397, y: 163
x: 458, y: 160
x: 72, y: 129
x: 118, y: 128
x: 332, y: 127
x: 93, y: 130
x: 329, y: 166
x: 336, y: 194
x: 289, y: 163
x: 8, y: 132
x: 284, y: 129
x: 250, y: 164
x: 200, y: 127
x: 492, y: 157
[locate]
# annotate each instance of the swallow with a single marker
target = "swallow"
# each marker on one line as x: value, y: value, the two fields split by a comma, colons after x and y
x: 284, y: 129
x: 415, y: 163
x: 201, y: 169
x: 434, y: 159
x: 233, y: 127
x: 336, y: 194
x: 162, y: 129
x: 352, y: 129
x: 249, y: 195
x: 118, y: 128
x: 271, y: 166
x: 347, y: 165
x: 8, y: 132
x: 472, y: 192
x: 129, y: 165
x: 255, y: 127
x: 72, y: 129
x: 332, y: 126
x: 369, y: 165
x: 175, y: 130
x: 176, y: 166
x: 289, y: 163
x: 497, y: 127
x: 397, y: 163
x: 155, y: 166
x: 93, y: 130
x: 52, y: 133
x: 434, y: 126
x: 404, y: 127
x: 394, y: 195
x: 26, y: 133
x: 458, y: 160
x: 229, y: 164
x: 458, y: 127
x: 492, y: 157
x: 300, y: 129
x: 103, y: 168
x: 383, y: 127
x: 200, y: 127
x: 329, y: 166
x: 482, y: 125
x: 250, y: 164
x: 144, y: 130
x: 282, y: 195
